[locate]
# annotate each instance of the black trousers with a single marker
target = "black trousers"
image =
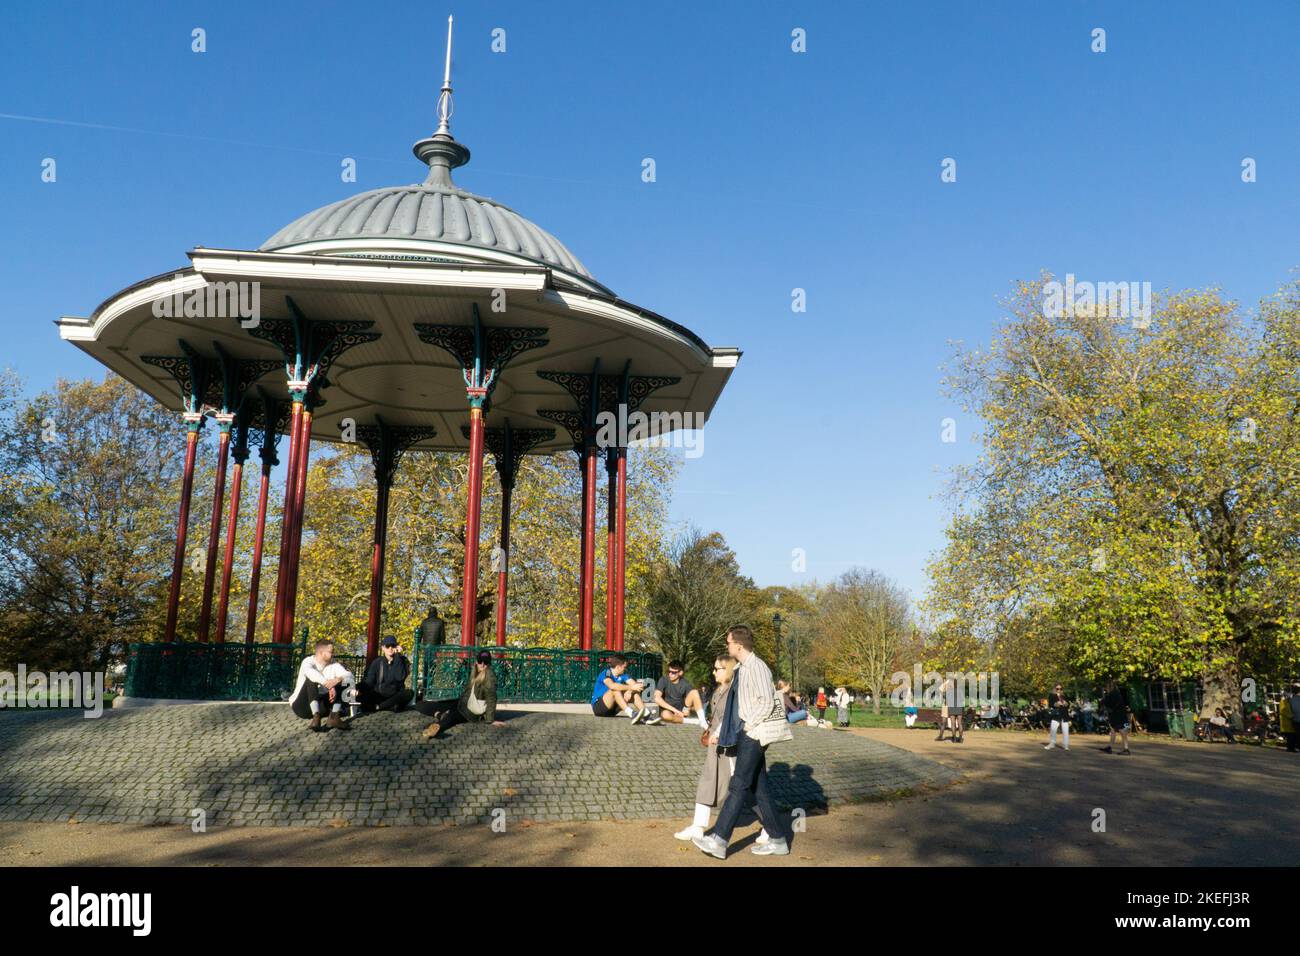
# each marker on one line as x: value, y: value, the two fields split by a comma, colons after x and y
x: 749, y: 783
x: 431, y: 708
x: 372, y: 700
x: 310, y: 691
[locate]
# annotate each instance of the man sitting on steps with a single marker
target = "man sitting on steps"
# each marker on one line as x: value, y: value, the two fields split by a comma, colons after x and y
x: 322, y: 685
x: 616, y: 692
x: 677, y: 698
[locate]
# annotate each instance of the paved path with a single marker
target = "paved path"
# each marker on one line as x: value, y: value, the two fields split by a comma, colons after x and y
x: 1171, y: 804
x: 258, y: 765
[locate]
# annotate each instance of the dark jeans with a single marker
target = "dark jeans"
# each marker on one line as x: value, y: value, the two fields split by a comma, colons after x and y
x: 749, y: 784
x: 302, y: 703
x: 375, y: 700
x: 1292, y: 741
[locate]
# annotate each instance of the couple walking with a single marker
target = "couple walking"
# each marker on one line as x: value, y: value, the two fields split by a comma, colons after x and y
x: 735, y: 767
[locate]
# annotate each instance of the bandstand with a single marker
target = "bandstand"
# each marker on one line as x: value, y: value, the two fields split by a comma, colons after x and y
x: 409, y: 318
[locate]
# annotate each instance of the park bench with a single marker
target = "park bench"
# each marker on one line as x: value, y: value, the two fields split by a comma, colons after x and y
x: 928, y: 715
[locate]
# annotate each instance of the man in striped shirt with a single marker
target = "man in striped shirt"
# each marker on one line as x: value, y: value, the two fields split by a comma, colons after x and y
x: 750, y: 702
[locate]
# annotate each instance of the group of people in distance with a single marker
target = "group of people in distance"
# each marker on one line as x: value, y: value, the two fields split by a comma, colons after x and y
x: 734, y: 774
x: 1114, y: 702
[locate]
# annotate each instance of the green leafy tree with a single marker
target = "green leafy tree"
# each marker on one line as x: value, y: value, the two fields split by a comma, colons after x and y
x: 1136, y: 494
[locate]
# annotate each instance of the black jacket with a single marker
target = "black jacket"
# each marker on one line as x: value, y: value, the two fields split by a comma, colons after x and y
x: 433, y: 631
x: 384, y: 678
x: 1058, y: 707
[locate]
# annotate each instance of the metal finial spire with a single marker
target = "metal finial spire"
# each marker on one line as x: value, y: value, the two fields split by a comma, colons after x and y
x: 441, y: 151
x: 445, y: 108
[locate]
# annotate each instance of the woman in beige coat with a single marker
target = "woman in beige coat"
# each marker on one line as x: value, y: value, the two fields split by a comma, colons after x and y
x: 715, y: 775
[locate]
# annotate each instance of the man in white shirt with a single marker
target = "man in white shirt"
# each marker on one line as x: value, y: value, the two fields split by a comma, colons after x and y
x: 323, y: 686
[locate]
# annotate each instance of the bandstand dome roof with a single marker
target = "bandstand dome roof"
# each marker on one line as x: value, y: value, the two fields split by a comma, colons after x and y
x: 428, y: 212
x: 396, y: 258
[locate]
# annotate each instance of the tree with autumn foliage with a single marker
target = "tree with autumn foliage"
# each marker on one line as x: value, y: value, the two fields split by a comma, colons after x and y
x: 1135, y: 507
x: 426, y: 545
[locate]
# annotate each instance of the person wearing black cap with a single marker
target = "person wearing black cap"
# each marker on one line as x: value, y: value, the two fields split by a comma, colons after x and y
x: 477, y: 703
x: 384, y: 685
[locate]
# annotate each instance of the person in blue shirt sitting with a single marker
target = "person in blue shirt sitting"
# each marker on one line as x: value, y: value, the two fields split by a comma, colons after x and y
x: 616, y: 692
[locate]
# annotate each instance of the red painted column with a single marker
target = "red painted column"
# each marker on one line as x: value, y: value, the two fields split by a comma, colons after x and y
x: 286, y: 525
x: 182, y: 525
x: 377, y: 557
x: 228, y: 563
x: 620, y: 586
x: 295, y: 542
x: 582, y: 550
x: 214, y: 532
x: 503, y: 573
x: 589, y: 546
x: 611, y: 546
x: 473, y: 514
x: 263, y: 493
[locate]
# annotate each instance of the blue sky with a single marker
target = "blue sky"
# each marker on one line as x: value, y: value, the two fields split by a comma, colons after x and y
x: 775, y: 170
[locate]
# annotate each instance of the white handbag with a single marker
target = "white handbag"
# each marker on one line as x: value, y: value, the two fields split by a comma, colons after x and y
x: 773, y: 728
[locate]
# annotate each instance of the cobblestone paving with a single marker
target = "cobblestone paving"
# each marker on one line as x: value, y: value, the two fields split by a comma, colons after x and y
x: 258, y: 765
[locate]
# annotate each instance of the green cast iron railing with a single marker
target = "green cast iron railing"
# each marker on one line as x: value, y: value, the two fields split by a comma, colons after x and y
x: 198, y: 671
x: 524, y: 674
x: 207, y: 671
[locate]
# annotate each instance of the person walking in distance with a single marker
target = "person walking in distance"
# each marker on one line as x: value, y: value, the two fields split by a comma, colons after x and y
x: 1058, y: 708
x: 1115, y: 703
x: 1288, y: 718
x: 749, y: 704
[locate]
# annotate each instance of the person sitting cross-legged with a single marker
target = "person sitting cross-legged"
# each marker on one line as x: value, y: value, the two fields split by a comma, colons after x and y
x: 477, y: 702
x: 323, y: 685
x: 617, y: 693
x: 383, y: 687
x: 677, y: 698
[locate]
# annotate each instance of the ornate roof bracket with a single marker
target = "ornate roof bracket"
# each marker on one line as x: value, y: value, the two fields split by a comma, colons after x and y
x: 310, y: 347
x: 389, y: 443
x: 597, y: 395
x: 483, y: 353
x: 198, y: 379
x: 509, y: 445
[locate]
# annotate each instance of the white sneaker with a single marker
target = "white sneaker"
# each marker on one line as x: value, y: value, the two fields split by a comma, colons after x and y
x: 1049, y: 746
x: 770, y: 848
x: 762, y: 838
x: 690, y: 833
x: 711, y: 844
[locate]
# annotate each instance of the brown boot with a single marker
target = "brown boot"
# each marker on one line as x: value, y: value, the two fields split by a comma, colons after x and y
x: 433, y: 730
x: 334, y: 723
x: 315, y: 722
